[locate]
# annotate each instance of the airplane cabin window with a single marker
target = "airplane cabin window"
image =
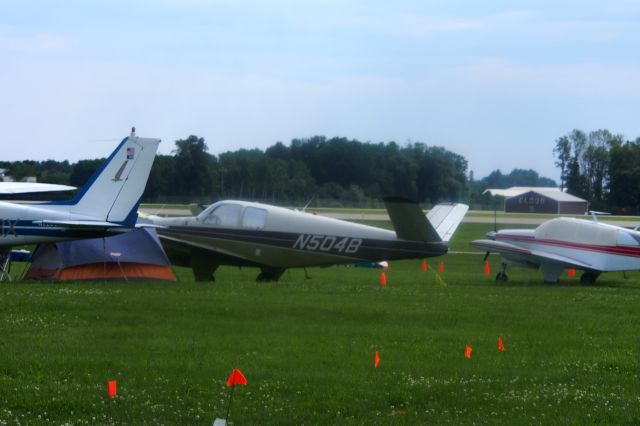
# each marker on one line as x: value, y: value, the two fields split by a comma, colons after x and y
x: 628, y: 239
x: 224, y: 215
x: 254, y: 218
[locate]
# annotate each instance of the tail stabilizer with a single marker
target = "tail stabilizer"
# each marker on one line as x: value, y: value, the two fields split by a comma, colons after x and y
x: 113, y: 192
x: 446, y: 217
x: 410, y: 223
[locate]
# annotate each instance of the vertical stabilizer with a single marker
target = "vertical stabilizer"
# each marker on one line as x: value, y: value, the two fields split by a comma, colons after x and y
x: 410, y: 223
x: 113, y: 192
x: 446, y: 218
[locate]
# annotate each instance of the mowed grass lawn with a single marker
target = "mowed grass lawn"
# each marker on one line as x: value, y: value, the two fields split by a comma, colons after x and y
x: 307, y: 348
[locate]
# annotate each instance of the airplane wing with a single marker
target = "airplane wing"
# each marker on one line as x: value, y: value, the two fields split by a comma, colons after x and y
x: 29, y: 187
x: 93, y: 224
x: 536, y: 255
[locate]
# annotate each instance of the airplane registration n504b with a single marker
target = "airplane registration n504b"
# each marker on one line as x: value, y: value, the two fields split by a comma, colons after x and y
x: 272, y: 238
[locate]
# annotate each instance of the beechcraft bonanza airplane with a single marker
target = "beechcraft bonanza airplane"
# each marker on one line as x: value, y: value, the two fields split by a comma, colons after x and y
x: 561, y: 243
x: 241, y: 233
x: 107, y: 203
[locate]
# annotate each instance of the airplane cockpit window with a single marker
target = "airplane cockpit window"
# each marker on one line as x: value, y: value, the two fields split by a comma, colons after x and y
x: 254, y: 218
x: 224, y: 215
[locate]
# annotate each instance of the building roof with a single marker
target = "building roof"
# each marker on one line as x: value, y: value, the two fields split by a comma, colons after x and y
x: 549, y: 192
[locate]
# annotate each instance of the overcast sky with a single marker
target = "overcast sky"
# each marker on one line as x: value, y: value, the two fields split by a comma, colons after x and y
x: 495, y: 81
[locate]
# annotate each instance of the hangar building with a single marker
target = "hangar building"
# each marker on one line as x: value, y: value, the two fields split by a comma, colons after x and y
x: 519, y: 199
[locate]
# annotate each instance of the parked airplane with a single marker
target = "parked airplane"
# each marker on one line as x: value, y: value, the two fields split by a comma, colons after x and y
x: 107, y: 203
x: 561, y: 243
x: 273, y: 238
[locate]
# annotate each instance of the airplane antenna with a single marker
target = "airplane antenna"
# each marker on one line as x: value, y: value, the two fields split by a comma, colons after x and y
x: 595, y: 214
x: 307, y: 205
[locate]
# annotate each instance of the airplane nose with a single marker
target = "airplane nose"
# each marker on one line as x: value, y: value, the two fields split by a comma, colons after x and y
x: 491, y: 235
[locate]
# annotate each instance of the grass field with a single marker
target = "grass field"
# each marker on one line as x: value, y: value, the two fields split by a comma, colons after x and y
x: 307, y: 348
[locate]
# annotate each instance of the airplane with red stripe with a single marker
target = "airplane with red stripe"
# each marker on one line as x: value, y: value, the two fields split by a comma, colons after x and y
x: 558, y: 244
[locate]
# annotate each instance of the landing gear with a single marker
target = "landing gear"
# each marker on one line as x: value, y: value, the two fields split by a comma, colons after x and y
x: 202, y: 267
x: 269, y: 274
x: 5, y: 265
x: 502, y: 276
x: 589, y: 277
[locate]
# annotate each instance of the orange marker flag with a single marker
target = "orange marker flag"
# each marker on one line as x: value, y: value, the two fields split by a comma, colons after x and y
x: 111, y: 389
x: 467, y: 352
x: 441, y: 266
x: 500, y: 344
x: 572, y: 272
x: 376, y: 360
x: 236, y: 378
x: 487, y: 269
x: 424, y: 266
x: 383, y: 279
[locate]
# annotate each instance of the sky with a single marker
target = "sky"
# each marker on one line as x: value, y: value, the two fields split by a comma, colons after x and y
x: 497, y: 82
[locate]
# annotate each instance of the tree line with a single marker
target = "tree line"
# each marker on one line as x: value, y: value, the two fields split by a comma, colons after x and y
x: 341, y: 169
x: 333, y: 170
x: 601, y: 167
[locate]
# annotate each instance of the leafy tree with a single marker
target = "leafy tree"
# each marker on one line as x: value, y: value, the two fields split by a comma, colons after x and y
x: 83, y: 170
x: 584, y: 160
x: 22, y: 169
x: 194, y: 168
x: 562, y: 152
x: 624, y: 177
x: 162, y: 181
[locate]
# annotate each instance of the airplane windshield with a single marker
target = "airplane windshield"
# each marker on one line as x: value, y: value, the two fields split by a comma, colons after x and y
x: 254, y: 218
x: 224, y: 215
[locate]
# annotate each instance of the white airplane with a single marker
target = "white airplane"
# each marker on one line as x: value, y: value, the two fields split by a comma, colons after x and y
x: 107, y: 203
x: 561, y: 243
x: 242, y: 233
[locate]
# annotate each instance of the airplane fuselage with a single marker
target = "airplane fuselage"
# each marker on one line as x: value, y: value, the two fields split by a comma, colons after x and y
x: 600, y: 257
x: 288, y: 238
x: 272, y: 238
x: 567, y: 243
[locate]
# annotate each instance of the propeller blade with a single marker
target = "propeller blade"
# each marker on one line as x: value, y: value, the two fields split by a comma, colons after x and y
x: 486, y: 256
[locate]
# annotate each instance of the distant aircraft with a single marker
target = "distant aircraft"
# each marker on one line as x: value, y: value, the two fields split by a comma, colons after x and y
x: 561, y: 243
x: 107, y: 202
x: 242, y: 233
x: 29, y: 187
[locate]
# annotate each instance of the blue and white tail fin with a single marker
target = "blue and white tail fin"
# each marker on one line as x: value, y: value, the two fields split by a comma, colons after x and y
x: 113, y: 192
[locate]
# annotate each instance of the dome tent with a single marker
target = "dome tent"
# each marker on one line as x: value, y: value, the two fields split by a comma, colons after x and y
x: 136, y: 254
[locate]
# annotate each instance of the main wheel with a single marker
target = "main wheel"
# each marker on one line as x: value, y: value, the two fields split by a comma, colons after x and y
x: 502, y: 277
x: 589, y: 277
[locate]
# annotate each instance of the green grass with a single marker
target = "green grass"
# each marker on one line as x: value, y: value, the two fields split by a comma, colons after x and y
x: 307, y: 347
